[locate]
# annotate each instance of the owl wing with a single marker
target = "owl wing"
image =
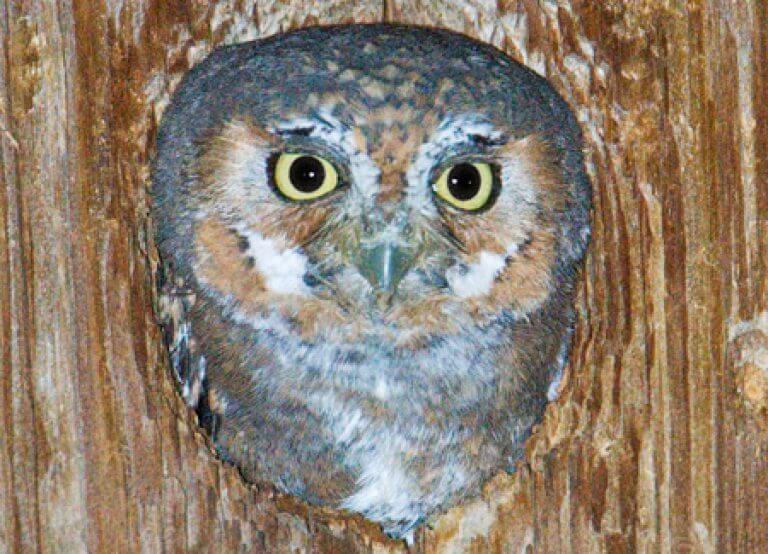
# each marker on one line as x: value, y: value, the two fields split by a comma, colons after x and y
x: 188, y: 364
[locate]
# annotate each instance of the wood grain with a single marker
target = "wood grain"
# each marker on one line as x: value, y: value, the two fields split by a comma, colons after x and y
x: 658, y: 441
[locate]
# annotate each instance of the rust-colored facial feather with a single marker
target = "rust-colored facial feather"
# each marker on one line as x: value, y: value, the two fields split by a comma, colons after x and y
x: 466, y: 267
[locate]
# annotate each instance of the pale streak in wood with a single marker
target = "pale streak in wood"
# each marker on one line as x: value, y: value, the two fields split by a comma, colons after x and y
x: 658, y: 442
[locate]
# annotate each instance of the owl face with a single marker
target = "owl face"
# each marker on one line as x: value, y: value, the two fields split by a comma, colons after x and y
x: 383, y: 195
x: 382, y: 226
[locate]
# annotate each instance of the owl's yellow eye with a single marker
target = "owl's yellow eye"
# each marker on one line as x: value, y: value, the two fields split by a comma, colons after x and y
x: 304, y: 176
x: 467, y: 185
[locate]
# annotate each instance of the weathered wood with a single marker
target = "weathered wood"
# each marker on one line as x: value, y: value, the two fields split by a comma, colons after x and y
x: 659, y: 439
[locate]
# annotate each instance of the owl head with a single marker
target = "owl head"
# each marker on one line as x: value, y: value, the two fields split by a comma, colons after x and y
x: 370, y: 183
x: 381, y: 225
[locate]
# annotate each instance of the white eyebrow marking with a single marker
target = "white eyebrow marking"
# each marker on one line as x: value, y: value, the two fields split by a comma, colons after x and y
x: 453, y: 131
x: 462, y: 129
x: 328, y: 128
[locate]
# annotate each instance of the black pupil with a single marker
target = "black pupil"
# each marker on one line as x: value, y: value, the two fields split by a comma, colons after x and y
x: 464, y: 181
x: 307, y: 174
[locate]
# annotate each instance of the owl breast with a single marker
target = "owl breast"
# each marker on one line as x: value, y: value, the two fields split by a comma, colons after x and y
x: 382, y: 227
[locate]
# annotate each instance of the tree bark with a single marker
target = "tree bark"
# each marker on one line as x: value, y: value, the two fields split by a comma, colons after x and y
x: 658, y: 441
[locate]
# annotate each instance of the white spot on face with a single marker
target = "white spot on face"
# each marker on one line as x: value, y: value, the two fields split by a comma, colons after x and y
x: 283, y: 269
x: 477, y: 279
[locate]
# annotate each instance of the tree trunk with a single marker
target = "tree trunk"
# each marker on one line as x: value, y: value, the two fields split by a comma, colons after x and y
x: 659, y: 439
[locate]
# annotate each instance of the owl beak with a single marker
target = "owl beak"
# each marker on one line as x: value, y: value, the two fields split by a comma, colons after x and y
x: 384, y: 264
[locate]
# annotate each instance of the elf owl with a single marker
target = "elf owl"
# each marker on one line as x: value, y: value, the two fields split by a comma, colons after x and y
x: 381, y: 226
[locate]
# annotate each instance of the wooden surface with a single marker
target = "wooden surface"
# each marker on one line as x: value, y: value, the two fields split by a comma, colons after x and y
x: 659, y: 440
